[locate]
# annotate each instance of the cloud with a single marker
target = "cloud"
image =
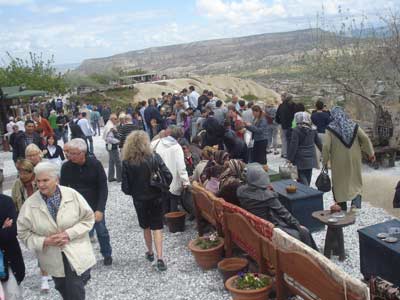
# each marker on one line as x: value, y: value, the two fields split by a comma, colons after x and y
x: 47, y: 9
x: 89, y: 1
x: 243, y: 12
x: 239, y: 12
x: 15, y: 2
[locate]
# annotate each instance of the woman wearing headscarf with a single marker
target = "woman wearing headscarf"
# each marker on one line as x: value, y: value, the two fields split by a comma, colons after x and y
x: 207, y: 154
x: 343, y: 146
x: 301, y: 150
x: 230, y: 179
x: 258, y: 199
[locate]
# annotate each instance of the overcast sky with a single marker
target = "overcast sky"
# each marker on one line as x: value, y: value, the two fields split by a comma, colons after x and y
x: 73, y: 30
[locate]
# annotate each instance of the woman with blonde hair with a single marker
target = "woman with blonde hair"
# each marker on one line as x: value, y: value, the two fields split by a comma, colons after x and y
x: 139, y: 168
x: 34, y: 154
x: 25, y: 184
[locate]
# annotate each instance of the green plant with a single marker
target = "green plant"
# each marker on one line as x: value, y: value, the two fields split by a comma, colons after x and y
x: 208, y: 242
x: 251, y: 281
x: 249, y: 97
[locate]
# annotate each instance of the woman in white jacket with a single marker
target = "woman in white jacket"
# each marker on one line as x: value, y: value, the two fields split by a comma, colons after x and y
x: 172, y: 154
x: 55, y: 223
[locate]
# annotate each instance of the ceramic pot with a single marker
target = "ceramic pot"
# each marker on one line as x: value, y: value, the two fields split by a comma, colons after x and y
x: 175, y: 221
x: 232, y: 266
x: 207, y: 258
x: 258, y: 294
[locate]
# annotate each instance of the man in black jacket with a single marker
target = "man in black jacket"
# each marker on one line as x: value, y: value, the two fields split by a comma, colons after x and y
x: 23, y: 139
x: 87, y: 176
x: 284, y: 117
x: 214, y: 132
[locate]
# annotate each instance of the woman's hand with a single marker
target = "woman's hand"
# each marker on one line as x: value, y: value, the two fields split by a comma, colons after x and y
x: 98, y: 216
x: 7, y: 223
x: 57, y: 240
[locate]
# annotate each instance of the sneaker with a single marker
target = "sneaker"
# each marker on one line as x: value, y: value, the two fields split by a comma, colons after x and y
x: 107, y: 261
x: 161, y: 266
x: 149, y: 257
x: 44, y: 287
x: 269, y: 151
x: 276, y: 152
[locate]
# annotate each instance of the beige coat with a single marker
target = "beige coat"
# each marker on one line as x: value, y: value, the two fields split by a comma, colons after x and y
x: 19, y: 193
x: 74, y: 216
x: 346, y: 164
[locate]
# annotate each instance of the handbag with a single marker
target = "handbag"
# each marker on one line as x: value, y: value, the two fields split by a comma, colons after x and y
x: 288, y: 171
x: 323, y: 182
x: 157, y: 178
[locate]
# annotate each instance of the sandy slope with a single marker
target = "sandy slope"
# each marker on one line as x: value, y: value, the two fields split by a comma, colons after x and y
x: 223, y: 87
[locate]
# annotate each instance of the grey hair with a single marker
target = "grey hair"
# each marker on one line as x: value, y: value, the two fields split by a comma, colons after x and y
x: 175, y: 131
x: 78, y: 143
x: 49, y: 168
x: 128, y: 118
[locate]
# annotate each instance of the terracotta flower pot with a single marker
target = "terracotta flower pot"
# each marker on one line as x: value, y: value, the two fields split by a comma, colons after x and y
x: 175, y: 221
x: 258, y: 294
x: 207, y: 258
x: 232, y: 266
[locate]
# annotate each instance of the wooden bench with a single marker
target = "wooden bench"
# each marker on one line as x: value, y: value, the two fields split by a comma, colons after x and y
x: 239, y: 231
x: 204, y: 210
x: 297, y: 274
x: 300, y: 270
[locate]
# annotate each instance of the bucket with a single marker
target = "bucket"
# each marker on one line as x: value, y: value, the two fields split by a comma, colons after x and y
x: 232, y: 266
x: 176, y: 221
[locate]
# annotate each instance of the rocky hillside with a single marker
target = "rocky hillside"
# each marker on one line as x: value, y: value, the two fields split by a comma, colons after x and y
x: 224, y: 87
x: 210, y: 57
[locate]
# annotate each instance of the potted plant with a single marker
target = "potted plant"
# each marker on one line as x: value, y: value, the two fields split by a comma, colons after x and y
x: 231, y: 266
x: 251, y: 286
x: 207, y: 250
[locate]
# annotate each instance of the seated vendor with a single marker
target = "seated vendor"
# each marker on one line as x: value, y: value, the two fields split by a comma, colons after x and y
x: 257, y: 198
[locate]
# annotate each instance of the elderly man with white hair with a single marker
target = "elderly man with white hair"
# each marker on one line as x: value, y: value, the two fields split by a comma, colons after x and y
x: 55, y: 223
x: 86, y: 175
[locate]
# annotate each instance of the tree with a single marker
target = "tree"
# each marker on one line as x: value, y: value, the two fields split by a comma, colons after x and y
x: 35, y: 73
x: 357, y: 56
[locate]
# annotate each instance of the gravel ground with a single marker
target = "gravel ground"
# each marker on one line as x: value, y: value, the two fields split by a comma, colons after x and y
x: 132, y: 277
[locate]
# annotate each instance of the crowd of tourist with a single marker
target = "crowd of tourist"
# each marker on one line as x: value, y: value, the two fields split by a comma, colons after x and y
x: 155, y: 151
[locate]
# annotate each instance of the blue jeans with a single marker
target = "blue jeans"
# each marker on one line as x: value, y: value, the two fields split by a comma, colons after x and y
x: 305, y: 176
x: 103, y: 237
x: 96, y: 126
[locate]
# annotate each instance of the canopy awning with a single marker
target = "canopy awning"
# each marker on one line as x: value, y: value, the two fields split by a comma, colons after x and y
x: 14, y: 92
